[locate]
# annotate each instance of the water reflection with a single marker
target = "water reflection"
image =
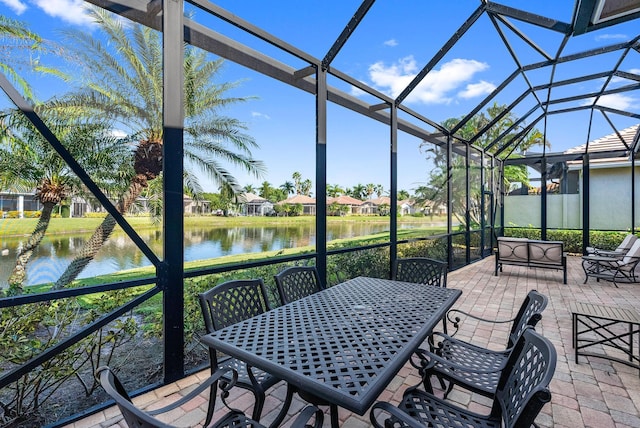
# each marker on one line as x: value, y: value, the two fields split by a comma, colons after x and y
x: 119, y: 252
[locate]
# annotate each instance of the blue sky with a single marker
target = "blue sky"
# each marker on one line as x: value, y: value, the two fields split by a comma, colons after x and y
x: 396, y: 39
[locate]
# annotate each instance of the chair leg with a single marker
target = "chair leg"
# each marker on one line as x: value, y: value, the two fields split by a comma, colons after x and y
x: 258, y: 406
x: 213, y: 392
x: 333, y: 413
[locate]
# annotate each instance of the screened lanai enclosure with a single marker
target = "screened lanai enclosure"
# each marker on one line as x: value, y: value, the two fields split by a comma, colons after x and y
x: 474, y: 118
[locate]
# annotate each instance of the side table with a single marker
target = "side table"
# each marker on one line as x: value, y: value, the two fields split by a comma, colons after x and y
x: 599, y: 321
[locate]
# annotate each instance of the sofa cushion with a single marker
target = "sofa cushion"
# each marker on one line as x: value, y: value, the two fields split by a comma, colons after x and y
x: 513, y: 249
x: 546, y: 252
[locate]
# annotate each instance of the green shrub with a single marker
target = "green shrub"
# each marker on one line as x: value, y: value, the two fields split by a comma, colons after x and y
x: 572, y: 238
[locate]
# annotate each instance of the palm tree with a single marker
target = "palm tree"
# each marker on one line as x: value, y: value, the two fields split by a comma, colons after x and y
x: 288, y: 187
x: 14, y: 38
x: 378, y: 190
x: 457, y: 175
x: 403, y: 194
x: 369, y: 190
x: 125, y: 83
x: 297, y: 177
x: 305, y: 187
x: 358, y: 191
x: 334, y: 190
x: 28, y: 161
x: 248, y: 188
x: 265, y: 190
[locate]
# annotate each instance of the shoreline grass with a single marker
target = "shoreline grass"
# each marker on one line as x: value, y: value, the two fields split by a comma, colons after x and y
x: 13, y: 227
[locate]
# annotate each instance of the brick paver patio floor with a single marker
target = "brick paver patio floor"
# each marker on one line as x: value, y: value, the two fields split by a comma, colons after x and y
x: 594, y: 393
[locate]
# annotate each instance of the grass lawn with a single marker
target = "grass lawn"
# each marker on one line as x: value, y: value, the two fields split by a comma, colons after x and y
x: 10, y: 227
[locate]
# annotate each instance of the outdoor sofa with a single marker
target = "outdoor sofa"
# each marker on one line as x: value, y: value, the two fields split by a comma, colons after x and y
x: 531, y: 253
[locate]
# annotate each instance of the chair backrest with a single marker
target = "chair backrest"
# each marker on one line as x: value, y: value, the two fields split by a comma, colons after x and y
x: 523, y: 388
x: 529, y: 314
x: 633, y: 255
x: 296, y: 282
x: 233, y: 301
x: 135, y: 417
x: 420, y: 270
x: 627, y: 242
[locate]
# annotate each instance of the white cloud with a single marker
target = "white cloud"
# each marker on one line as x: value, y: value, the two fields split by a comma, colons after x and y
x: 71, y: 11
x: 357, y: 92
x: 16, y: 5
x: 477, y: 89
x: 391, y: 42
x: 437, y: 85
x: 612, y: 37
x: 260, y: 115
x: 635, y: 71
x: 616, y: 101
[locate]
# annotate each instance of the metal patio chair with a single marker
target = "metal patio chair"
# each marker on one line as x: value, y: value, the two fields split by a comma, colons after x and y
x: 138, y: 418
x: 296, y: 282
x: 470, y: 366
x: 523, y: 389
x: 420, y: 270
x: 226, y: 304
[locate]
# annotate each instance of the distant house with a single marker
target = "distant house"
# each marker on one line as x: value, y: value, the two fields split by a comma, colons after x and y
x: 372, y: 206
x: 406, y: 207
x: 610, y: 187
x: 193, y: 206
x: 19, y: 202
x: 308, y: 203
x: 352, y: 204
x: 431, y: 208
x: 254, y: 205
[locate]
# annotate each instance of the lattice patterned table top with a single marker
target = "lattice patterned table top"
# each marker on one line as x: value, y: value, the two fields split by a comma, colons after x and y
x: 344, y: 344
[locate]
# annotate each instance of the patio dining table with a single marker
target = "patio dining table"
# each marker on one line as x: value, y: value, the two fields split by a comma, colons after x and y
x: 343, y: 344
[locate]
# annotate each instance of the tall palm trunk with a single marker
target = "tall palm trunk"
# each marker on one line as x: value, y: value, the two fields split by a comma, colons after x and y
x: 101, y: 234
x: 17, y: 277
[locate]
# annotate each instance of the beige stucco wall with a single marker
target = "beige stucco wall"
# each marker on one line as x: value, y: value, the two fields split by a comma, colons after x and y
x: 610, y: 203
x: 563, y: 211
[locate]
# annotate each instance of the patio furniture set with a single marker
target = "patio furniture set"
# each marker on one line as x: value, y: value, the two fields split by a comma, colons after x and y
x: 341, y: 346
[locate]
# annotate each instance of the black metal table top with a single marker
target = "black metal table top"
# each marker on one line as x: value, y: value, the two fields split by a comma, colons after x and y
x: 344, y: 344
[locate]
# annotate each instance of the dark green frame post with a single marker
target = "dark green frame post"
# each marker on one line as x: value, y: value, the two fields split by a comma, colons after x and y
x: 585, y: 202
x: 171, y: 269
x: 321, y: 174
x: 393, y: 209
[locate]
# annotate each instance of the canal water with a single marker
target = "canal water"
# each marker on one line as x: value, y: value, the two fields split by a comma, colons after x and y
x: 120, y: 253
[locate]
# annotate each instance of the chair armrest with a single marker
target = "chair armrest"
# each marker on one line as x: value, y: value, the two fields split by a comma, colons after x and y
x: 306, y: 415
x: 382, y: 407
x: 198, y: 390
x: 606, y: 253
x: 456, y: 321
